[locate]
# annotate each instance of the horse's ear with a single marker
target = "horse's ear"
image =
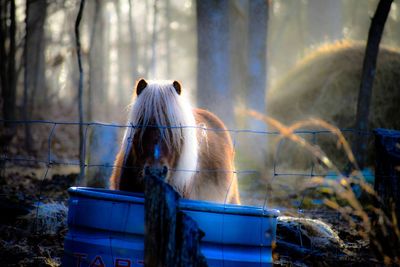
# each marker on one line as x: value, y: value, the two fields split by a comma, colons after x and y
x: 140, y: 85
x: 177, y: 87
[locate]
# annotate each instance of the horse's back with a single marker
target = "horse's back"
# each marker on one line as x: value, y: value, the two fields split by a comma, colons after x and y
x: 216, y: 179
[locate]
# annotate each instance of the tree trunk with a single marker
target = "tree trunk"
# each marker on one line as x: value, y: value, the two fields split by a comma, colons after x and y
x: 104, y: 64
x: 254, y: 148
x: 94, y: 6
x: 257, y: 59
x: 35, y: 67
x: 126, y: 55
x: 238, y: 48
x: 367, y: 78
x: 122, y: 64
x: 7, y: 71
x: 81, y: 179
x: 146, y: 40
x: 133, y: 47
x: 7, y: 58
x: 154, y: 41
x: 213, y: 67
x: 25, y: 114
x: 34, y: 62
x: 167, y: 38
x: 96, y: 79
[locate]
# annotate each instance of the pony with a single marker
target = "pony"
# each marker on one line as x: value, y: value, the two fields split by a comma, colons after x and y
x: 190, y: 148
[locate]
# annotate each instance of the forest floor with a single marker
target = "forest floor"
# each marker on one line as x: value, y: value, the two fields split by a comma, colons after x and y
x: 23, y: 244
x: 308, y: 252
x: 20, y: 243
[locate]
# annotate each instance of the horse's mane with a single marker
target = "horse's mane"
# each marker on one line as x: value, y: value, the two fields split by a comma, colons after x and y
x: 158, y: 105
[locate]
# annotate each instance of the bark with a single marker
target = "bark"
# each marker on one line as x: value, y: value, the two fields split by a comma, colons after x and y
x: 367, y: 78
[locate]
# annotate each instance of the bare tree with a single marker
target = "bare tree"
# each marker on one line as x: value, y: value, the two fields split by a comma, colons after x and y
x: 367, y: 78
x: 34, y: 62
x: 81, y: 180
x: 7, y: 59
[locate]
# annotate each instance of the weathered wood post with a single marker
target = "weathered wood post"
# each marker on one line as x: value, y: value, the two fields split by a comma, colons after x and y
x: 387, y: 169
x: 172, y: 238
x: 385, y: 235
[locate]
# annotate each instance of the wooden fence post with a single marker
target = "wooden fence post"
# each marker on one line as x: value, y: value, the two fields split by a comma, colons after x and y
x: 172, y: 238
x: 387, y: 169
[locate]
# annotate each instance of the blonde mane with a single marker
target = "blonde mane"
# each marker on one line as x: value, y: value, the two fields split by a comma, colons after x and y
x: 159, y: 105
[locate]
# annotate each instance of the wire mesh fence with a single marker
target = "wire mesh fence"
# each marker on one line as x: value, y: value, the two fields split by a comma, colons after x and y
x: 283, y: 161
x: 274, y: 182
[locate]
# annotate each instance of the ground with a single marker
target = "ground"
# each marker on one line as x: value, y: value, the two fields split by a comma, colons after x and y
x: 20, y: 243
x: 24, y: 243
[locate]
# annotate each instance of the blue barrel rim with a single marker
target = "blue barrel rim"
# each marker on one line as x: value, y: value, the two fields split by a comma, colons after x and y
x: 387, y: 132
x: 185, y: 204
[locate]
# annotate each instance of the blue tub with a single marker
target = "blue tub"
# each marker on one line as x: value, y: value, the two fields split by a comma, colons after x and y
x: 106, y: 229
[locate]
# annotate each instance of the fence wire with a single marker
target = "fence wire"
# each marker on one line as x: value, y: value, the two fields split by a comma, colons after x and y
x: 275, y: 170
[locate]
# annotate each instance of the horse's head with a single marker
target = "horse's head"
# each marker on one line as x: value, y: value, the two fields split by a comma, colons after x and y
x: 154, y: 156
x: 159, y: 136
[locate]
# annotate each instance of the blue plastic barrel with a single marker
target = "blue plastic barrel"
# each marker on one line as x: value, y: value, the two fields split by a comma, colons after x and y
x: 106, y: 228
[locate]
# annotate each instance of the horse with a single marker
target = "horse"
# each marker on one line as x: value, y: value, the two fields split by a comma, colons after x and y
x: 189, y: 147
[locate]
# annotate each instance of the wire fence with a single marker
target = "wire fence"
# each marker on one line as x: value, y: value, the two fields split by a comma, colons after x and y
x: 269, y: 186
x: 284, y: 161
